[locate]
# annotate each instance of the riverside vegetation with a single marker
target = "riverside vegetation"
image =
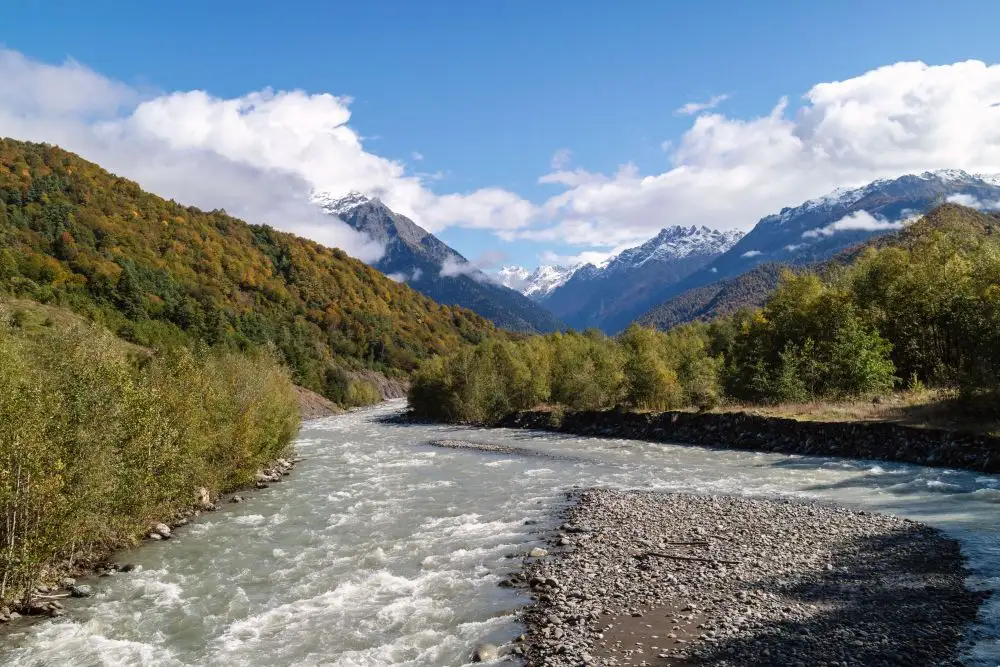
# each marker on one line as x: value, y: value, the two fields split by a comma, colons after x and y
x: 182, y: 380
x: 100, y: 438
x: 922, y: 310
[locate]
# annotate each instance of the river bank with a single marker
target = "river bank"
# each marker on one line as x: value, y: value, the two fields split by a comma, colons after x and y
x: 879, y: 441
x: 647, y: 578
x: 80, y: 577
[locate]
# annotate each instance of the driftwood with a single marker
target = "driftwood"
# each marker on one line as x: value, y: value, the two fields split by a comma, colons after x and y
x: 718, y: 561
x: 57, y: 596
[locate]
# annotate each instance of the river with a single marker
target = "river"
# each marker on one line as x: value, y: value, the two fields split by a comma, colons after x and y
x: 382, y: 550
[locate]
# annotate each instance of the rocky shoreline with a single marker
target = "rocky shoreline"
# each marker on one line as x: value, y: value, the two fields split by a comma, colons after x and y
x: 673, y: 580
x: 880, y: 441
x: 61, y: 581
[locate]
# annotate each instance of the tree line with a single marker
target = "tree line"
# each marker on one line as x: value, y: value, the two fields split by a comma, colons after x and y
x: 923, y: 310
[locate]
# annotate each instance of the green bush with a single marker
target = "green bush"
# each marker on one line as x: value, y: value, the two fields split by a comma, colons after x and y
x: 99, y: 439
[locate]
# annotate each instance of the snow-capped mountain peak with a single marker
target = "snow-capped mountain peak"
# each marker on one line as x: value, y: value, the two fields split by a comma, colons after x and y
x: 674, y: 243
x: 340, y: 205
x: 845, y: 197
x: 538, y: 283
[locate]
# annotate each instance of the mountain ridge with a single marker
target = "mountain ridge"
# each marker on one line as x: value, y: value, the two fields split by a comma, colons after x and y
x: 821, y: 227
x: 424, y: 262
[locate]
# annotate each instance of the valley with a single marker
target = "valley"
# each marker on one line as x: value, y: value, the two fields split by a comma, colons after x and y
x: 414, y: 334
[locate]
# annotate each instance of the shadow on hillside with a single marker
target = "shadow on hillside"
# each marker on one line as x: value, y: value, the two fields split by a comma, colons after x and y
x: 891, y: 599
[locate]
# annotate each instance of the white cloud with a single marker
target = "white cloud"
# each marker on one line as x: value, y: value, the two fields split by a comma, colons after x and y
x: 696, y: 107
x: 730, y: 172
x: 417, y: 156
x: 397, y: 277
x: 452, y: 267
x: 417, y: 272
x: 974, y: 202
x: 595, y: 257
x: 259, y: 156
x: 862, y: 221
x: 795, y: 246
x: 752, y: 253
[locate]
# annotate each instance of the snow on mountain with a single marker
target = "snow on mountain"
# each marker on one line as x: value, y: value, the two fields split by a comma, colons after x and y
x: 538, y: 283
x: 845, y: 197
x: 425, y: 263
x: 339, y: 205
x: 673, y: 243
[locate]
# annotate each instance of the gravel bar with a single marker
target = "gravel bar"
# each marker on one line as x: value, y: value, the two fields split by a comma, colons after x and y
x: 665, y: 579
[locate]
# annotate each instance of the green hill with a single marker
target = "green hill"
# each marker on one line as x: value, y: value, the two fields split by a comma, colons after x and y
x: 159, y: 273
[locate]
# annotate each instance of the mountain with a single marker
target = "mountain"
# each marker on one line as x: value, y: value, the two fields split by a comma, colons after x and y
x: 158, y: 273
x: 591, y: 296
x: 718, y: 299
x: 536, y: 284
x: 415, y: 256
x: 752, y: 288
x: 820, y: 228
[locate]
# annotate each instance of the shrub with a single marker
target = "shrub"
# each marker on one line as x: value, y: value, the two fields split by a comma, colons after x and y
x: 98, y: 439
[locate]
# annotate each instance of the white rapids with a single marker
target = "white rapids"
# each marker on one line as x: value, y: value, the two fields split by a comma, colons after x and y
x: 382, y: 550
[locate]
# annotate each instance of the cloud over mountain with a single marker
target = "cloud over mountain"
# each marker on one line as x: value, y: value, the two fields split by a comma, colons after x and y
x: 259, y: 155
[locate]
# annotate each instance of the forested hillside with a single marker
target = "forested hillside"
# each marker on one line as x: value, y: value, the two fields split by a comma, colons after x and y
x: 160, y: 274
x: 919, y: 310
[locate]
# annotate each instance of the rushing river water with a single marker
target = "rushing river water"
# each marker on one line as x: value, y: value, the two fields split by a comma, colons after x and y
x: 381, y: 550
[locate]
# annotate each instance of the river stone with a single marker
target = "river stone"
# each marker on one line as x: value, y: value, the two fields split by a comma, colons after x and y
x: 81, y: 591
x: 162, y: 529
x: 205, y: 499
x: 485, y: 653
x: 538, y: 552
x: 67, y: 582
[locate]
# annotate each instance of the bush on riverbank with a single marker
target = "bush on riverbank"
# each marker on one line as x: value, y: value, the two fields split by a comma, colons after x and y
x: 922, y: 313
x: 99, y: 438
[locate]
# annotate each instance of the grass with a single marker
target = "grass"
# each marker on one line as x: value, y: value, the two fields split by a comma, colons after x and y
x: 937, y: 409
x: 932, y: 408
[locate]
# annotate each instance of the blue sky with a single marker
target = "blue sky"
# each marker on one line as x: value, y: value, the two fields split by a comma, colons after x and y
x: 488, y: 92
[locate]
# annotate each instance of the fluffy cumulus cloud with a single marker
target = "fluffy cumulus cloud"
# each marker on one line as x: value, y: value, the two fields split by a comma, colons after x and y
x: 729, y: 172
x: 859, y: 221
x: 260, y: 155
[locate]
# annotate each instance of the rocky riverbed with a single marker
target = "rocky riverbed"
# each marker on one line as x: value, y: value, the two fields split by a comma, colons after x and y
x: 665, y: 579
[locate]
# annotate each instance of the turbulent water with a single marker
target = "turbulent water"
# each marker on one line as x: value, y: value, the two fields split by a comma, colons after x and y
x: 382, y: 550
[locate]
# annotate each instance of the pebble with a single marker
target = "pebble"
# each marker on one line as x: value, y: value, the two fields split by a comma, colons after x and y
x: 730, y: 581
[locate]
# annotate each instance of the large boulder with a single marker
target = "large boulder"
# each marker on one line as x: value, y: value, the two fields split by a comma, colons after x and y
x: 485, y: 653
x: 80, y: 591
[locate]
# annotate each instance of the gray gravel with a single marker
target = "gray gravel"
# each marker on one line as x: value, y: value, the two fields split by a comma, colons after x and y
x: 648, y: 578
